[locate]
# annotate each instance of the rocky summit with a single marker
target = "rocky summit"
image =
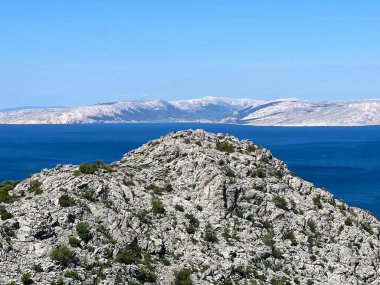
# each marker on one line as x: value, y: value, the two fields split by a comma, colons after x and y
x: 189, y: 208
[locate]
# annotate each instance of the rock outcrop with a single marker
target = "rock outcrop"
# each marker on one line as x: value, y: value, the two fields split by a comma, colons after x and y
x: 189, y: 208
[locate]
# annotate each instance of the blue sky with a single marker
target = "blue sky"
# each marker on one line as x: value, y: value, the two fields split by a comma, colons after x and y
x: 75, y: 52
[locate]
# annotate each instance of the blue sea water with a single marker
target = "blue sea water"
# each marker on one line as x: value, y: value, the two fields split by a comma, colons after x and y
x: 345, y: 160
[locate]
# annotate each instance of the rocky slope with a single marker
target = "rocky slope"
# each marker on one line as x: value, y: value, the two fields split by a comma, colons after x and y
x: 189, y: 208
x: 281, y: 112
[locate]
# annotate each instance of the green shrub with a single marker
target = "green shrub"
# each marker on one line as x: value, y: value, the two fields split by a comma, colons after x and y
x: 182, y: 277
x: 210, y: 234
x: 59, y: 281
x: 38, y: 268
x: 280, y: 281
x: 91, y: 168
x: 179, y: 208
x: 268, y: 239
x: 83, y: 231
x: 147, y: 276
x: 367, y: 227
x: 4, y: 214
x: 313, y: 257
x: 74, y: 242
x: 192, y: 220
x: 348, y: 221
x: 199, y: 208
x: 128, y: 182
x: 276, y: 252
x: 259, y: 172
x: 89, y: 194
x: 312, y: 226
x: 225, y: 147
x: 190, y: 229
x: 62, y: 255
x: 35, y: 187
x: 106, y: 233
x: 26, y: 278
x: 317, y: 201
x: 130, y: 254
x: 168, y: 188
x: 290, y: 236
x: 71, y: 274
x: 5, y: 187
x: 66, y: 201
x: 230, y: 173
x: 158, y: 207
x: 280, y: 202
x: 251, y: 148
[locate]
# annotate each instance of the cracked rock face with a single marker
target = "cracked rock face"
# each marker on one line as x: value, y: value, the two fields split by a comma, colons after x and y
x: 189, y: 208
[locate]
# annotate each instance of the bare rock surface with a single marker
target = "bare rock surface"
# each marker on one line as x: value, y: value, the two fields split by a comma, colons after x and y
x: 191, y: 207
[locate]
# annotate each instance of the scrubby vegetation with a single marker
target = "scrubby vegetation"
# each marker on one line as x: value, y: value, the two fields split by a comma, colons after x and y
x: 225, y: 146
x: 158, y: 207
x: 91, y: 168
x: 83, y: 231
x: 130, y: 254
x: 4, y: 214
x: 35, y: 187
x: 26, y: 279
x: 62, y: 255
x: 183, y: 277
x: 280, y: 202
x: 66, y: 201
x: 5, y: 187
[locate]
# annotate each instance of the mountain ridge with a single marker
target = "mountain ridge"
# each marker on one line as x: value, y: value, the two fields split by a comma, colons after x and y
x: 279, y: 112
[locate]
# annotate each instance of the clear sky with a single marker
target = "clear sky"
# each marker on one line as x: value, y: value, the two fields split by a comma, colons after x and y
x: 75, y: 52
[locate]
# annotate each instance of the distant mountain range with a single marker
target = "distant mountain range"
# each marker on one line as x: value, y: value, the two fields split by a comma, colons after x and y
x: 280, y: 112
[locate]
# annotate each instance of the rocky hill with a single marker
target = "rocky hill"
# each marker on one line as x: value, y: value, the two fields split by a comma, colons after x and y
x: 189, y: 208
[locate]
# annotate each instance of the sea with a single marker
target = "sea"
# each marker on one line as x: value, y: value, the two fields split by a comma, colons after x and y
x: 344, y: 160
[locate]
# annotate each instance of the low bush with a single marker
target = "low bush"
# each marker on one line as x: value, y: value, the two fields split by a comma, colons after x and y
x: 179, y: 208
x: 5, y: 187
x: 280, y: 281
x: 192, y: 220
x: 348, y: 221
x: 268, y: 239
x: 89, y: 194
x: 4, y: 214
x: 62, y: 255
x: 71, y: 274
x: 280, y: 202
x: 225, y: 147
x: 210, y: 234
x: 91, y: 168
x: 38, y: 268
x: 312, y: 225
x: 130, y: 254
x: 66, y: 201
x: 183, y: 277
x: 26, y: 279
x: 158, y: 207
x: 290, y: 236
x: 74, y: 242
x: 317, y: 201
x: 146, y: 275
x: 35, y: 187
x: 83, y: 231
